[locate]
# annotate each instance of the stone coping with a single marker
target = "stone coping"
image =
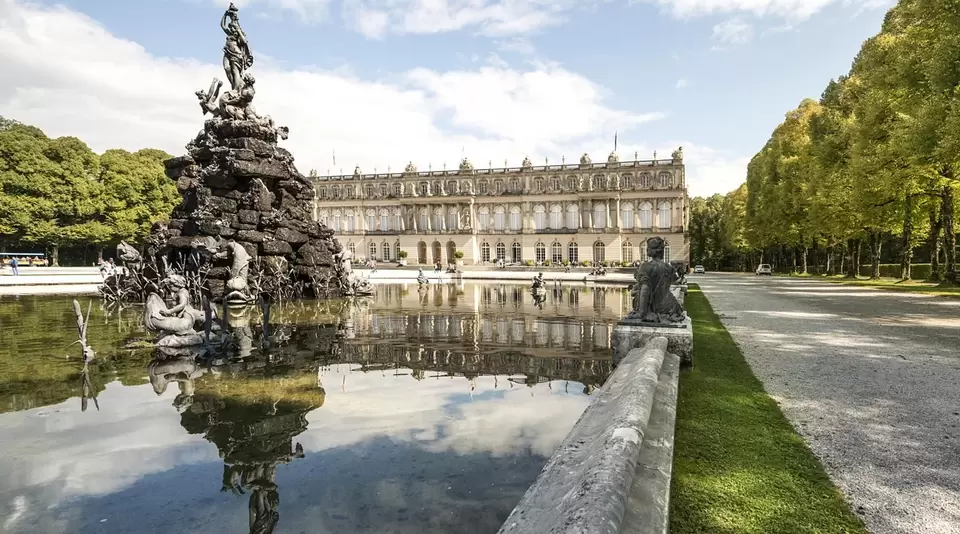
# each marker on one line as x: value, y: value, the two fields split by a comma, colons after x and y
x: 588, y: 483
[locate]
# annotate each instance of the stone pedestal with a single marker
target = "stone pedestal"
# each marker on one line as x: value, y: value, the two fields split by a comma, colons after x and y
x: 631, y: 334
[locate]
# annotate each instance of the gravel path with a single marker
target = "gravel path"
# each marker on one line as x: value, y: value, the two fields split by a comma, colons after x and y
x: 870, y: 378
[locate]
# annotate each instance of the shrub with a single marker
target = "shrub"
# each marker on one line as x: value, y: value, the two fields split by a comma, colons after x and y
x: 587, y: 263
x: 528, y: 263
x: 403, y: 254
x: 458, y: 255
x: 546, y: 263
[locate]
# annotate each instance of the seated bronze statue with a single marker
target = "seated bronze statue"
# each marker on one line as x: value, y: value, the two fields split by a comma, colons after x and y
x: 653, y: 302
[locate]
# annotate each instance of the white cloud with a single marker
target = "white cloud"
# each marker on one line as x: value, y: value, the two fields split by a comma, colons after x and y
x: 68, y: 75
x: 682, y: 83
x: 732, y: 32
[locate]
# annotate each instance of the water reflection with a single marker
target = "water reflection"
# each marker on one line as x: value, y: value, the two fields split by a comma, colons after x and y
x: 327, y: 389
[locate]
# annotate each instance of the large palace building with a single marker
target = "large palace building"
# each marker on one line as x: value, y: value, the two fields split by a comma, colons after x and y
x: 586, y: 212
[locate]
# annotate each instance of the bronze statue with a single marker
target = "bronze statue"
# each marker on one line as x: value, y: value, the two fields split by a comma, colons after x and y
x: 236, y: 51
x: 653, y: 301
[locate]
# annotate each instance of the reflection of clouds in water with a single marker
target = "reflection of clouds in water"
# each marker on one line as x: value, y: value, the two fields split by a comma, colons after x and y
x: 498, y: 419
x: 135, y: 433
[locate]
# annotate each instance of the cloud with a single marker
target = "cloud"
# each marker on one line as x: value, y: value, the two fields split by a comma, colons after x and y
x: 682, y: 83
x: 732, y: 32
x: 306, y: 10
x: 66, y: 74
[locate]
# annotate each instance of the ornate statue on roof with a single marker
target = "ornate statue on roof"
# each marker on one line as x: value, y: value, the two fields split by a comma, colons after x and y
x: 356, y: 171
x: 526, y: 163
x: 585, y: 159
x: 677, y: 154
x: 465, y: 165
x: 410, y: 167
x: 613, y: 158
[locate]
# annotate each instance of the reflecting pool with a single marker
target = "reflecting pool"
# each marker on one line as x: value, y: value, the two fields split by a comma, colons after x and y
x: 412, y: 411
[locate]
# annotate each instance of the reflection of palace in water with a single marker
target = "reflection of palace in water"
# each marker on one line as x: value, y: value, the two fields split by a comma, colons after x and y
x: 252, y: 401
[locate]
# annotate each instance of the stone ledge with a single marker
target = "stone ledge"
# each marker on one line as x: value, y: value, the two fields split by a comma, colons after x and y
x: 627, y: 337
x: 586, y: 484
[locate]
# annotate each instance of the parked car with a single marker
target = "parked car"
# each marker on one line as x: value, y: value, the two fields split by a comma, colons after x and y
x: 698, y: 269
x: 764, y: 268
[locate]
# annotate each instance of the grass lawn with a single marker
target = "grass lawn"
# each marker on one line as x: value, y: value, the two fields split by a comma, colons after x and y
x: 895, y: 284
x: 739, y: 466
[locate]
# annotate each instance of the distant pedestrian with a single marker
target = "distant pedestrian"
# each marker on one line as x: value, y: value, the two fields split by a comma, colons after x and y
x: 15, y: 266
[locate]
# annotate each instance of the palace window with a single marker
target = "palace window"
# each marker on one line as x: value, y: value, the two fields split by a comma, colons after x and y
x: 396, y: 250
x: 424, y: 189
x: 626, y: 254
x: 573, y: 252
x: 663, y: 215
x: 336, y: 192
x: 665, y: 180
x: 539, y: 217
x: 556, y: 252
x: 645, y: 220
x: 350, y: 224
x: 452, y: 187
x: 599, y: 216
x: 483, y: 219
x: 482, y: 187
x: 498, y: 186
x: 397, y: 219
x: 555, y: 184
x: 501, y: 252
x: 385, y: 220
x: 499, y: 218
x: 599, y: 252
x: 514, y: 185
x: 556, y: 217
x: 437, y: 218
x: 516, y: 222
x: 573, y: 216
x: 453, y: 219
x: 484, y: 252
x: 517, y: 252
x: 371, y: 220
x: 538, y: 185
x: 571, y: 183
x: 646, y: 180
x: 385, y: 251
x: 424, y: 220
x: 437, y: 189
x: 398, y: 190
x: 666, y: 253
x: 373, y: 251
x: 324, y: 217
x: 368, y: 190
x: 383, y: 190
x: 541, y: 252
x: 422, y: 253
x: 626, y: 215
x: 323, y: 192
x: 599, y: 182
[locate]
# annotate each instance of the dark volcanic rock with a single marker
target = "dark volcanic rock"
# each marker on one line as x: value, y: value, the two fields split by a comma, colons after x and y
x: 248, y: 216
x: 252, y: 236
x: 276, y: 248
x: 290, y: 236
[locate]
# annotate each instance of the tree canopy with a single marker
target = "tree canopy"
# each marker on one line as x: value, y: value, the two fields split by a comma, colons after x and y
x: 873, y: 162
x: 58, y: 192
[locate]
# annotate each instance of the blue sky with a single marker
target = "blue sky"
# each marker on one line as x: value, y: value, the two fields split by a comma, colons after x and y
x: 383, y: 82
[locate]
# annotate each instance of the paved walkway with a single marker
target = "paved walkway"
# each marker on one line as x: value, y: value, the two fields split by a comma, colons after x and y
x: 870, y: 378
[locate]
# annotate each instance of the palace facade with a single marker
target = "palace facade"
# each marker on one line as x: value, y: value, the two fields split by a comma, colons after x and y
x: 578, y: 213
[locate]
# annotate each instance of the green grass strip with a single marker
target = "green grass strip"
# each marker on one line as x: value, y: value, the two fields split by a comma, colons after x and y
x: 739, y: 466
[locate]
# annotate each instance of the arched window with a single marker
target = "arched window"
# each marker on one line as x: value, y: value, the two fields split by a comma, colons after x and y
x: 539, y: 217
x: 663, y: 215
x: 599, y: 252
x: 424, y: 220
x: 373, y: 251
x: 556, y: 252
x: 397, y: 219
x: 385, y: 220
x: 517, y: 252
x: 324, y: 217
x: 626, y: 215
x: 437, y: 218
x: 424, y: 189
x: 645, y: 220
x: 453, y: 219
x: 501, y: 252
x: 385, y: 251
x: 437, y: 189
x: 664, y: 179
x: 483, y: 219
x: 573, y: 217
x: 337, y: 220
x: 556, y: 217
x: 626, y: 253
x: 422, y: 253
x: 437, y: 252
x: 516, y: 222
x: 573, y: 252
x: 484, y: 252
x: 599, y: 216
x: 538, y: 185
x: 499, y: 219
x: 396, y: 250
x: 451, y: 251
x: 350, y: 222
x: 353, y: 249
x: 541, y: 252
x: 371, y: 220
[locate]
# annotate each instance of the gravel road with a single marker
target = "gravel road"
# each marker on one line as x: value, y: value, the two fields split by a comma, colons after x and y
x: 870, y: 378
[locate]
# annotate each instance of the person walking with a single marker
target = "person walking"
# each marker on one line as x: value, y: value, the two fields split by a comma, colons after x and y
x: 15, y: 266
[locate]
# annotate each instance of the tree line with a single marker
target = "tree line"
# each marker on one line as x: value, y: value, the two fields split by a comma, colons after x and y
x: 867, y: 172
x: 58, y: 194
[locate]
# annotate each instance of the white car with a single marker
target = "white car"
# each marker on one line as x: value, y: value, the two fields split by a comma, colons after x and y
x: 698, y: 269
x: 764, y: 268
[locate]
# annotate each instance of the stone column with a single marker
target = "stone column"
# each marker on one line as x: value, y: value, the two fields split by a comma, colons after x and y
x: 588, y: 223
x: 473, y: 220
x: 616, y: 214
x: 583, y: 213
